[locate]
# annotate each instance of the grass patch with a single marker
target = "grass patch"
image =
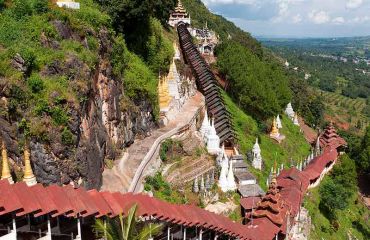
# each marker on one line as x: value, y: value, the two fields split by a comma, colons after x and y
x: 293, y: 149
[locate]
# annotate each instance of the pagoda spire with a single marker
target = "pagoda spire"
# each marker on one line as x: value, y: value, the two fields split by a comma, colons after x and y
x: 28, y: 177
x: 5, y: 174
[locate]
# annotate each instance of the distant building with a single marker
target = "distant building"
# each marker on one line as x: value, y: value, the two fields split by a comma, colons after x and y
x: 179, y: 15
x: 207, y: 39
x: 69, y: 4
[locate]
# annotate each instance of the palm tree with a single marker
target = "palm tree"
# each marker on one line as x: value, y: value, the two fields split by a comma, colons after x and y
x: 126, y: 228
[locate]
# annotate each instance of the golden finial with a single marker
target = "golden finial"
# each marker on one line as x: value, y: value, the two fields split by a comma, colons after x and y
x: 5, y: 174
x: 28, y: 177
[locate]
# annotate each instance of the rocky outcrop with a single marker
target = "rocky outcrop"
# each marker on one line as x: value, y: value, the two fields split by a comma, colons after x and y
x: 100, y: 128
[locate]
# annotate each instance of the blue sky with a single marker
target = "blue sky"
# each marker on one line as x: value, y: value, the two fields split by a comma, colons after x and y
x: 297, y: 18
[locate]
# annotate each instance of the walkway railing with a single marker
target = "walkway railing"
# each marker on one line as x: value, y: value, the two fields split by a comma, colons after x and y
x: 153, y: 152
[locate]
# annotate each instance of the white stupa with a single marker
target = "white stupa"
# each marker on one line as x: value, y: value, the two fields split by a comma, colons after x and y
x: 206, y: 127
x: 317, y: 147
x: 213, y: 141
x: 295, y: 120
x: 289, y: 111
x: 68, y: 4
x: 230, y: 178
x: 278, y: 122
x: 257, y: 158
x: 222, y: 182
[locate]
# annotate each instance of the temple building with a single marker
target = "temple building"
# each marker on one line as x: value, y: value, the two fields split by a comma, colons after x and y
x: 275, y: 134
x: 207, y: 40
x: 257, y: 158
x: 68, y: 4
x: 179, y: 15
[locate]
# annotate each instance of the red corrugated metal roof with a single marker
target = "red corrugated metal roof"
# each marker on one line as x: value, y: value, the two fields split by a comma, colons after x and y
x: 26, y: 198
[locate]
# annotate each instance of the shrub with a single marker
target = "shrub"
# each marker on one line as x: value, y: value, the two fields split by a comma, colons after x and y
x: 21, y: 8
x: 35, y: 83
x: 42, y: 106
x: 40, y: 6
x: 59, y: 116
x: 67, y: 137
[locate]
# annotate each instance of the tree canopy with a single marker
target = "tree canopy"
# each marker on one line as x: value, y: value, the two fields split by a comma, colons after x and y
x: 258, y: 87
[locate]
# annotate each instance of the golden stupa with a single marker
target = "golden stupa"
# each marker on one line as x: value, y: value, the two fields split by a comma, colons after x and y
x: 28, y: 177
x: 274, y: 130
x: 5, y: 173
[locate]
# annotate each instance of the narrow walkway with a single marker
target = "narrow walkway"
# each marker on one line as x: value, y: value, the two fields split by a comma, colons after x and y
x: 120, y: 177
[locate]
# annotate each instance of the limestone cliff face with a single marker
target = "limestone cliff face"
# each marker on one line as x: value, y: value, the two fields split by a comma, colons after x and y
x: 100, y: 128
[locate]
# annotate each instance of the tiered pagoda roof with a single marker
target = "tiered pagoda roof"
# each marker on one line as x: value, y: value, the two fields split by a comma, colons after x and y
x: 331, y: 138
x: 272, y: 206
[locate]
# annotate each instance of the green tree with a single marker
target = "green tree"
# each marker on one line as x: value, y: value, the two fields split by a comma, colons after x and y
x: 363, y: 159
x: 126, y: 228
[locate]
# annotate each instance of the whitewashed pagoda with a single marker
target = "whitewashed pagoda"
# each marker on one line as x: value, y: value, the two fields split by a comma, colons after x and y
x: 213, y: 141
x: 289, y: 111
x: 205, y: 128
x: 257, y: 158
x: 231, y: 185
x: 68, y: 4
x: 222, y: 182
x: 179, y: 15
x: 278, y: 122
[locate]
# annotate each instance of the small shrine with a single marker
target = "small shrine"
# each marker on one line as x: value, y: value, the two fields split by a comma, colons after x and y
x: 205, y: 127
x: 223, y: 180
x: 179, y: 15
x: 275, y: 134
x: 69, y: 4
x: 257, y: 158
x: 230, y: 178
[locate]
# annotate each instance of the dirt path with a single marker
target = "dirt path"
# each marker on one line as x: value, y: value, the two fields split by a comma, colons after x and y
x: 120, y: 177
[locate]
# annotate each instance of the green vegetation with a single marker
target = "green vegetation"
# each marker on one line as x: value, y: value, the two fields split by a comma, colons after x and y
x: 258, y: 87
x: 162, y: 189
x: 348, y: 113
x: 335, y: 208
x: 126, y: 228
x: 321, y: 58
x: 171, y: 151
x: 293, y: 149
x: 49, y: 55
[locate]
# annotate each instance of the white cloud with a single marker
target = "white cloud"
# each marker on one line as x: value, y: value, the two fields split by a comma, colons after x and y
x: 284, y: 7
x: 338, y: 20
x: 246, y: 2
x: 360, y: 20
x: 353, y: 4
x: 319, y: 17
x: 297, y: 18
